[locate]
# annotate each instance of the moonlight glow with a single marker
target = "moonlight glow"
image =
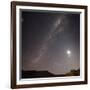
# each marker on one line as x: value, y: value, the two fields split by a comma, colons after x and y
x: 68, y: 52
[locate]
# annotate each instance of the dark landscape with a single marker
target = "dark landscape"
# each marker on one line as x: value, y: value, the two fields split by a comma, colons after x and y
x: 38, y: 74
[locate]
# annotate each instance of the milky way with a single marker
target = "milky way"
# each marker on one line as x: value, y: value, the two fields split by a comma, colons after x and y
x: 50, y: 36
x: 46, y: 37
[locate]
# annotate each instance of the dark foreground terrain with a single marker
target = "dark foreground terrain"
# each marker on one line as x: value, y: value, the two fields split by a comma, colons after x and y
x: 38, y: 74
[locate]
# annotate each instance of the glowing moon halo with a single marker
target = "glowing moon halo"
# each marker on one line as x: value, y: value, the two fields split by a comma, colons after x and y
x: 68, y: 52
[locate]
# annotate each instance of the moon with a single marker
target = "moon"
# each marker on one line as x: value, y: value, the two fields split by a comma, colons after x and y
x: 68, y: 52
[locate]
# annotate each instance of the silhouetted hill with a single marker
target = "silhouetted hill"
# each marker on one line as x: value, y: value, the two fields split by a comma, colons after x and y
x: 38, y: 74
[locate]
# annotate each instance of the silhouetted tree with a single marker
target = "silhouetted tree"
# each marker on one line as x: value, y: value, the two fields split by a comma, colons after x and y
x: 73, y: 72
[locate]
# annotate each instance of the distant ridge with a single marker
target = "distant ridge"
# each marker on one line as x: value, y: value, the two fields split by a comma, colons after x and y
x: 38, y: 74
x: 35, y: 74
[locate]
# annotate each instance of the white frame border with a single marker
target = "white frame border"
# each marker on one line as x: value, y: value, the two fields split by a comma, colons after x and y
x: 54, y: 79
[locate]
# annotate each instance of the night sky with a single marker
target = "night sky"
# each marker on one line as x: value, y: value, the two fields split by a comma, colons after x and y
x: 50, y: 41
